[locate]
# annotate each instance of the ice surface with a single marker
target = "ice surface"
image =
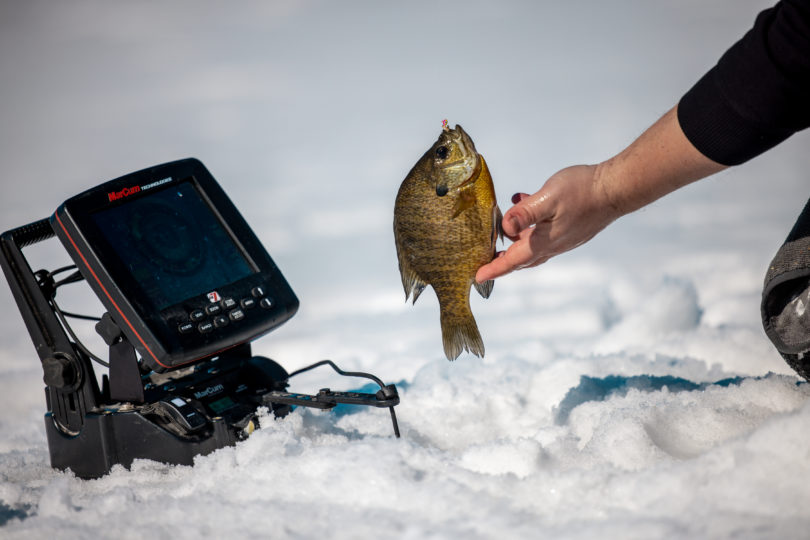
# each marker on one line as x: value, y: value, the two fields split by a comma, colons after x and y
x: 628, y: 390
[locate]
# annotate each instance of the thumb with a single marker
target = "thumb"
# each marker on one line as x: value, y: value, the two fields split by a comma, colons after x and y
x: 527, y: 211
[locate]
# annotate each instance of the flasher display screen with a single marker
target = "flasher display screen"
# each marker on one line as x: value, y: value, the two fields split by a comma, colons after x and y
x: 172, y: 244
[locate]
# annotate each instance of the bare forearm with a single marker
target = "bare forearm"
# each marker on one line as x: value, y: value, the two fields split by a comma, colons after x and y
x: 660, y: 161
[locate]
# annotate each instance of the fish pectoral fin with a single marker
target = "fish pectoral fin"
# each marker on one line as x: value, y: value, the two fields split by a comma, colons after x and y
x: 485, y: 288
x: 465, y: 200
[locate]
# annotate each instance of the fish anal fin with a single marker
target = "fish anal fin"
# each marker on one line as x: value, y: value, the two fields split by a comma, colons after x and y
x: 497, y: 225
x: 485, y: 288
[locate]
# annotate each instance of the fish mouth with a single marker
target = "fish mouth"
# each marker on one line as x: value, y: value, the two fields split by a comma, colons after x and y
x: 466, y: 140
x: 467, y: 165
x: 458, y: 136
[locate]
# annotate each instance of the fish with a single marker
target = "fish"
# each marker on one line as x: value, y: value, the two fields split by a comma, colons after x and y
x: 446, y: 224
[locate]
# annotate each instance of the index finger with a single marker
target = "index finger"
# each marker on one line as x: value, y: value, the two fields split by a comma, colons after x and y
x: 496, y: 268
x: 517, y: 256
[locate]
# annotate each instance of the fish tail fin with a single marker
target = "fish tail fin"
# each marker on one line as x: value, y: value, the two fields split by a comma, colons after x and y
x: 460, y: 333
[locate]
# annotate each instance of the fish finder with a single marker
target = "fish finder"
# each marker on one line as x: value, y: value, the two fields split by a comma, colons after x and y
x: 174, y: 263
x: 187, y: 286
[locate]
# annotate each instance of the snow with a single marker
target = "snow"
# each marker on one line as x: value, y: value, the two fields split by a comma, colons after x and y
x: 628, y: 390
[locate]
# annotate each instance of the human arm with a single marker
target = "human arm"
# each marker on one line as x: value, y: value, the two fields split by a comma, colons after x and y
x: 578, y: 202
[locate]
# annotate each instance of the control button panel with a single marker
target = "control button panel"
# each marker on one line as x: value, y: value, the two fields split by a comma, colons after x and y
x: 210, y: 316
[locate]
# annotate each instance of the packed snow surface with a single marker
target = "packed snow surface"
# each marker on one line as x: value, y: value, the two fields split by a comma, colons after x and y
x: 628, y: 390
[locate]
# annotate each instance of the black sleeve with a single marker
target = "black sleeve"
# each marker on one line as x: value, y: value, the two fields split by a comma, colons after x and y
x: 758, y: 94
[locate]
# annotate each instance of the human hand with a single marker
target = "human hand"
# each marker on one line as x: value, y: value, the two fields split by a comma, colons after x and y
x: 578, y: 202
x: 570, y: 208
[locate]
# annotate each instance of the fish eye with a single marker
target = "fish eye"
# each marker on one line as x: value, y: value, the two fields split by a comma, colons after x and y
x: 442, y: 152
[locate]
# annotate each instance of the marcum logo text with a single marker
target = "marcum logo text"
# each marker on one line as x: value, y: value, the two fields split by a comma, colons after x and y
x: 126, y: 192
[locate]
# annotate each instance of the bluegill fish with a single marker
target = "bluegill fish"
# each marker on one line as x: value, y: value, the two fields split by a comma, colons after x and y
x: 446, y: 222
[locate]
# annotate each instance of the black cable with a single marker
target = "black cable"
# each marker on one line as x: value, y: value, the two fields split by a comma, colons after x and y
x: 78, y: 342
x: 351, y: 374
x: 394, y: 421
x: 72, y: 278
x: 80, y: 316
x: 61, y: 269
x: 53, y: 285
x: 340, y: 371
